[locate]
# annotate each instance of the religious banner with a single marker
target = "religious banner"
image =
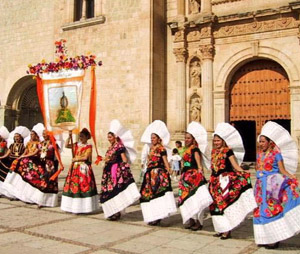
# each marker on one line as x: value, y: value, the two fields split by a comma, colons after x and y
x: 62, y: 99
x: 59, y: 89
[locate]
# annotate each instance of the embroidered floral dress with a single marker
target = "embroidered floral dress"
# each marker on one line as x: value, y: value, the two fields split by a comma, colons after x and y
x: 118, y: 188
x: 157, y: 199
x: 193, y: 193
x: 231, y: 191
x: 278, y: 197
x: 36, y: 171
x: 16, y: 150
x: 3, y: 167
x: 80, y: 190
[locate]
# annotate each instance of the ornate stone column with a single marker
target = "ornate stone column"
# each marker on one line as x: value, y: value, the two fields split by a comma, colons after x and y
x: 207, y: 116
x: 206, y: 7
x: 180, y: 122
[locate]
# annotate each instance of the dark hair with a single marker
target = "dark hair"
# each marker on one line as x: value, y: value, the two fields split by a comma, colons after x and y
x: 86, y: 133
x: 178, y: 142
x: 175, y: 150
x: 156, y: 135
x: 38, y: 137
x: 114, y: 135
x: 268, y: 139
x: 224, y: 142
x: 21, y: 138
x: 111, y: 133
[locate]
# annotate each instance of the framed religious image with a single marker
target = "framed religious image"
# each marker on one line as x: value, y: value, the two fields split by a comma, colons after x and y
x: 62, y: 97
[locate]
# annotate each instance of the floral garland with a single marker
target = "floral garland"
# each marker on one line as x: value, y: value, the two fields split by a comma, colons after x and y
x: 63, y: 62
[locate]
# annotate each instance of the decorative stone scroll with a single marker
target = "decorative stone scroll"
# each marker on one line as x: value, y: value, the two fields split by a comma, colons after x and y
x: 179, y: 36
x: 256, y: 26
x: 180, y: 54
x: 196, y: 35
x: 207, y: 51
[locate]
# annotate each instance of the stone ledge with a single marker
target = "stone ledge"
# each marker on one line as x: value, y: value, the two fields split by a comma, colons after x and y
x: 84, y: 23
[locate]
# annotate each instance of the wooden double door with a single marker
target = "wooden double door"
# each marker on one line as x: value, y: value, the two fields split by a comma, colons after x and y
x: 259, y: 92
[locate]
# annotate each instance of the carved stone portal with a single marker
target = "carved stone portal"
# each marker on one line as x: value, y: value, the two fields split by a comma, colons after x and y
x: 195, y: 73
x: 195, y: 108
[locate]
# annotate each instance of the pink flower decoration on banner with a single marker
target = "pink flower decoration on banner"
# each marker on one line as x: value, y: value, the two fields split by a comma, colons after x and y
x: 63, y: 62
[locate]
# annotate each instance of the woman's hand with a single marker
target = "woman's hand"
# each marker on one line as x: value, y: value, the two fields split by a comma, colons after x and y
x: 292, y: 176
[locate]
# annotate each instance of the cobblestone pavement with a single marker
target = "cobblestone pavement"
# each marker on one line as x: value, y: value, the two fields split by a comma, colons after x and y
x: 26, y: 229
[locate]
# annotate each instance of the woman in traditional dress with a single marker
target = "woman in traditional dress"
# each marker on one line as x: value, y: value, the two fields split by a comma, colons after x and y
x: 45, y: 190
x: 26, y: 166
x: 3, y: 150
x: 277, y: 191
x: 13, y: 179
x: 194, y: 196
x: 36, y: 166
x: 229, y: 186
x: 157, y: 201
x: 80, y: 190
x: 118, y: 188
x: 15, y: 151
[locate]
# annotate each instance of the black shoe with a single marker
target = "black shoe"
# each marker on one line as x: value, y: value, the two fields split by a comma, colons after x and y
x: 217, y: 235
x: 196, y: 227
x: 154, y: 223
x: 115, y: 217
x: 272, y: 246
x: 226, y: 236
x: 190, y: 224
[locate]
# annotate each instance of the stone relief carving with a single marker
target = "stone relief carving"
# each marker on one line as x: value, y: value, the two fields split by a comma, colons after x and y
x: 256, y: 26
x: 195, y: 108
x: 194, y: 6
x: 180, y: 54
x: 195, y: 73
x: 179, y: 36
x: 207, y: 51
x: 196, y: 35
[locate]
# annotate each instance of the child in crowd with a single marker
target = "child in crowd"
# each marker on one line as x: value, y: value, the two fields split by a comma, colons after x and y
x: 175, y: 163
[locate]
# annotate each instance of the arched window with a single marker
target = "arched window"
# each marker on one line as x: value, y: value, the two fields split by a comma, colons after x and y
x: 79, y: 7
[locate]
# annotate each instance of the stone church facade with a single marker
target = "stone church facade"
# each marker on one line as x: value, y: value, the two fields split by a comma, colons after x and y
x: 175, y: 60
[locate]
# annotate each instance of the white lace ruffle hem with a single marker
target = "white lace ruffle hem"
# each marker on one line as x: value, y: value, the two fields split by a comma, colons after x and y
x: 278, y: 230
x: 195, y: 204
x: 159, y: 208
x: 79, y: 205
x: 235, y: 213
x: 121, y: 201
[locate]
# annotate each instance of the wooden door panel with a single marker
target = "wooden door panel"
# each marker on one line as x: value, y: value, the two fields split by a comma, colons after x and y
x: 260, y: 92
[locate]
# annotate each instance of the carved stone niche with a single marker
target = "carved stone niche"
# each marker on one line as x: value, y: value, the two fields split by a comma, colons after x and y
x: 194, y: 6
x: 195, y: 73
x: 195, y: 108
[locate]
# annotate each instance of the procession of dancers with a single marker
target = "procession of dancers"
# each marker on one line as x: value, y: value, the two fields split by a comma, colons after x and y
x: 29, y: 163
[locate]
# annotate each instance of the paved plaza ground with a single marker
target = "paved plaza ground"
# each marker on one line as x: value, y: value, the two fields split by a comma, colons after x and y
x: 28, y: 230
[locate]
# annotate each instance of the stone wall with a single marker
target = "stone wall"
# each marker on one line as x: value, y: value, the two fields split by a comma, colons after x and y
x: 122, y: 40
